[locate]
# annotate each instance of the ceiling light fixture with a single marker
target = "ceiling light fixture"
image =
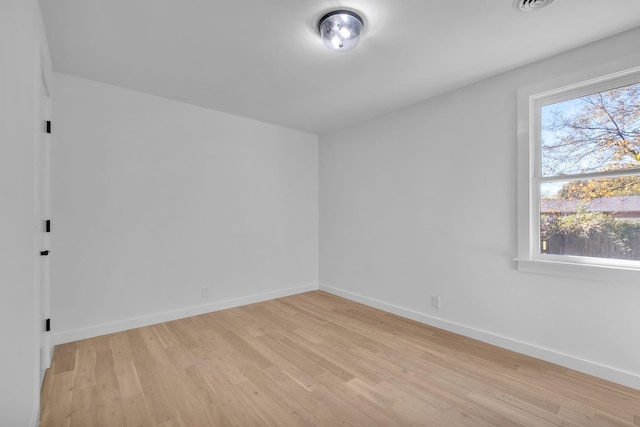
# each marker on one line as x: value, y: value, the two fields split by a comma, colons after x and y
x: 529, y: 5
x: 340, y: 30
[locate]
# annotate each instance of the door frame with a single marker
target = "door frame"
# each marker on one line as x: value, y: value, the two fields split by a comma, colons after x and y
x: 42, y: 204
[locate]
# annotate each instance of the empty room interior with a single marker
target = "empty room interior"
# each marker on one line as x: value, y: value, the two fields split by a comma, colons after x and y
x: 283, y: 213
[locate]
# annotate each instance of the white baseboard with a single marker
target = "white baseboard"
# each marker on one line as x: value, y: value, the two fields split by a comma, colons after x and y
x: 625, y: 378
x: 138, y: 322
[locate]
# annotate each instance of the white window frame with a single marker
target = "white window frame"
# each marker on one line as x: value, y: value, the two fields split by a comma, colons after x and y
x: 530, y: 101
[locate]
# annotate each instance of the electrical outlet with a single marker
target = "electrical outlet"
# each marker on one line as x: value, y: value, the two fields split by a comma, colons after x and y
x: 205, y: 291
x: 435, y: 302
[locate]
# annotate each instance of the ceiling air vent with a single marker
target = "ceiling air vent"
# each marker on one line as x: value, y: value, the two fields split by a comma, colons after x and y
x: 530, y: 5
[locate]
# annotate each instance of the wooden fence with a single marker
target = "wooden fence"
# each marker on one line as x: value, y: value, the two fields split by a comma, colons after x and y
x: 597, y: 244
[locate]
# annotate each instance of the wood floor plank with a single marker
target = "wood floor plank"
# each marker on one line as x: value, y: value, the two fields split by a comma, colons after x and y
x: 285, y: 389
x: 166, y: 339
x: 65, y: 357
x: 610, y: 419
x: 282, y: 363
x: 154, y: 346
x: 107, y: 386
x: 120, y: 346
x: 136, y: 412
x: 229, y: 403
x: 84, y: 408
x: 176, y: 422
x: 315, y: 359
x: 113, y: 413
x: 600, y: 401
x: 550, y: 416
x: 58, y: 401
x: 127, y: 378
x: 183, y: 398
x: 272, y: 412
x: 512, y: 413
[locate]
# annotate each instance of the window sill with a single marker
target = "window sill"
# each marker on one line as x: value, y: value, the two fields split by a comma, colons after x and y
x: 598, y: 273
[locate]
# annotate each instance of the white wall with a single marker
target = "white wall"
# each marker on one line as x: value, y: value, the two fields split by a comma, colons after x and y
x: 154, y: 199
x: 21, y: 38
x: 422, y: 202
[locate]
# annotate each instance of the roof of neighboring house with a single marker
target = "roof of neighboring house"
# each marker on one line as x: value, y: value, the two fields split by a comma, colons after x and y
x: 603, y: 204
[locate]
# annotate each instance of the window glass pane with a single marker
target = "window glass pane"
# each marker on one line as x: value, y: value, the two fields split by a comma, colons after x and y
x: 592, y: 218
x: 592, y: 133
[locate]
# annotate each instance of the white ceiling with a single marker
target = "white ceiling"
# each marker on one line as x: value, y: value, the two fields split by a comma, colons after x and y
x: 263, y: 59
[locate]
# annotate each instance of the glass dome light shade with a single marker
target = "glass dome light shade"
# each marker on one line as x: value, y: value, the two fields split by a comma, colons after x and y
x: 340, y: 30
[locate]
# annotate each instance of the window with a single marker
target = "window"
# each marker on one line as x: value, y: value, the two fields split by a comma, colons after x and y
x: 580, y: 203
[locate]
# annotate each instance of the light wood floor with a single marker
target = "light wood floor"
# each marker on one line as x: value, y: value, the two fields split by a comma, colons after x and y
x: 316, y: 359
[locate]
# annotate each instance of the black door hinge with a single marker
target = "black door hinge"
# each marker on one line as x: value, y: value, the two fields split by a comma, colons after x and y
x: 47, y: 325
x: 44, y: 253
x: 48, y: 126
x: 47, y: 226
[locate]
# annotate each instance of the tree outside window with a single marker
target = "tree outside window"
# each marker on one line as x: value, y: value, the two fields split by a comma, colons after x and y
x: 589, y: 183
